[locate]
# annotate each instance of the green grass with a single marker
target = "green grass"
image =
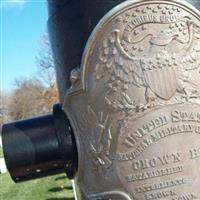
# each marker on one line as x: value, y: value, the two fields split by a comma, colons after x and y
x: 56, y: 187
x: 1, y: 153
x: 52, y: 188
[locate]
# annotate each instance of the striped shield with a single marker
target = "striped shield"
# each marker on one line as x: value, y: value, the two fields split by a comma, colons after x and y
x: 162, y: 81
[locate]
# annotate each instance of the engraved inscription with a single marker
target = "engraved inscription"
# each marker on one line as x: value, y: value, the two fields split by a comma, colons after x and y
x: 160, y: 195
x: 160, y: 185
x: 153, y: 174
x: 132, y: 139
x: 190, y: 196
x: 195, y: 153
x: 191, y: 116
x: 155, y: 137
x: 157, y: 161
x: 166, y: 162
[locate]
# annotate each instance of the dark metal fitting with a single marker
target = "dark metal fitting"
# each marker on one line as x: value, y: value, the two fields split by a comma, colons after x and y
x: 39, y: 147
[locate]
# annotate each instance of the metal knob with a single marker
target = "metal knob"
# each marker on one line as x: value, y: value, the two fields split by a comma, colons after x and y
x: 39, y: 147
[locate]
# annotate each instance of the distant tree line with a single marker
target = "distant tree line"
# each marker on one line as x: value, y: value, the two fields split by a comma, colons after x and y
x: 34, y: 95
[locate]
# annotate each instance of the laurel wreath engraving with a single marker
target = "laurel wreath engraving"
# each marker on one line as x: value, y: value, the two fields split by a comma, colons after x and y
x: 100, y: 146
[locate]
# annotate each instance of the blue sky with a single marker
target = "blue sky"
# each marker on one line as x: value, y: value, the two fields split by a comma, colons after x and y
x: 23, y: 22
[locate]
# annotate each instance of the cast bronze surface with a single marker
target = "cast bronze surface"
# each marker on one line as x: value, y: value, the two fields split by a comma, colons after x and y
x: 135, y: 104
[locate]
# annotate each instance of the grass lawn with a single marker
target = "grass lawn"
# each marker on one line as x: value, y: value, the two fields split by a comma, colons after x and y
x: 51, y: 188
x: 1, y: 153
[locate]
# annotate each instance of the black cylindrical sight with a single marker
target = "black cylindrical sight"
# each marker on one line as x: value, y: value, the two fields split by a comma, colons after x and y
x: 38, y: 147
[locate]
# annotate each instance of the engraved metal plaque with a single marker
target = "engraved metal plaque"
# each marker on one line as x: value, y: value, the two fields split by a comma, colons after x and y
x: 135, y: 104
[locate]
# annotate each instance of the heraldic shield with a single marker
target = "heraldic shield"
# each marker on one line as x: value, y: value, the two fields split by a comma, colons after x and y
x: 134, y: 104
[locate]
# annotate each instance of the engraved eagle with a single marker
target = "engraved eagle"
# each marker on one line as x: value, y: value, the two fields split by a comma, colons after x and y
x: 160, y: 73
x: 125, y: 70
x: 113, y: 59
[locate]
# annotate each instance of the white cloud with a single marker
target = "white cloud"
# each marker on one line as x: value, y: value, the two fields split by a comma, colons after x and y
x: 12, y: 3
